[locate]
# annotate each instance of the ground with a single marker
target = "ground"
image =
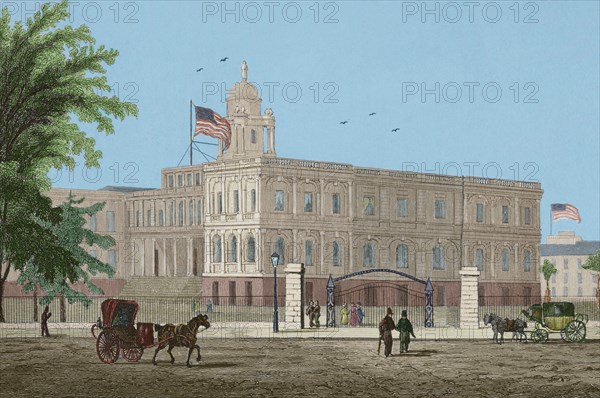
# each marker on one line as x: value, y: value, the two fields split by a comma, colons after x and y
x: 69, y: 367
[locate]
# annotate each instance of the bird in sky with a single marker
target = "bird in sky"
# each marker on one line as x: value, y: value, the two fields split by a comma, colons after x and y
x: 372, y: 113
x: 198, y: 70
x: 224, y: 59
x: 344, y: 122
x: 396, y: 129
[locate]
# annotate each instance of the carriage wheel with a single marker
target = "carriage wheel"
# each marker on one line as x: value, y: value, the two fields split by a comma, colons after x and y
x: 132, y: 354
x: 563, y: 335
x: 107, y: 347
x: 539, y: 336
x: 575, y: 331
x: 95, y: 330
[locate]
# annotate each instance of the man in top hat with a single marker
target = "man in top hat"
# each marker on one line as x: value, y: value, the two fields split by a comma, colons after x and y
x: 385, y: 332
x: 406, y: 330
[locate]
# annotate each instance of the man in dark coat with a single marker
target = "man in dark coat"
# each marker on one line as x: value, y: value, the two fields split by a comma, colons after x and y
x: 45, y: 315
x: 310, y: 311
x: 385, y: 331
x: 406, y: 330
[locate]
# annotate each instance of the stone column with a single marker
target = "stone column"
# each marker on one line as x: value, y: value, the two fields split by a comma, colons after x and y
x: 350, y: 202
x: 322, y: 196
x: 189, y: 257
x: 207, y: 252
x: 133, y: 255
x: 294, y: 296
x: 351, y: 256
x: 294, y: 248
x: 174, y: 256
x: 239, y: 250
x: 164, y: 256
x: 294, y: 195
x: 142, y: 257
x: 322, y: 252
x: 469, y: 297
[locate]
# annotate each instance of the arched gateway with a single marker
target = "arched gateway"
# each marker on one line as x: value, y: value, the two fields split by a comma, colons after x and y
x: 331, y: 301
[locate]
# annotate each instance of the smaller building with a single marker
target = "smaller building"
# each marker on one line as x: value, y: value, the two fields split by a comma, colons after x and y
x: 568, y: 252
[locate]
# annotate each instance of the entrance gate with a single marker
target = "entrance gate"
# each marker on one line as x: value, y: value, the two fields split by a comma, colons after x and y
x: 331, y: 318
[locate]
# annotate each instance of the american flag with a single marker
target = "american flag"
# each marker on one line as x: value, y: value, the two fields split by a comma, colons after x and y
x: 209, y: 122
x: 564, y: 210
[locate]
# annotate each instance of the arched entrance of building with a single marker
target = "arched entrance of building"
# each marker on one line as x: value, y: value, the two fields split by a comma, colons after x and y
x: 395, y: 295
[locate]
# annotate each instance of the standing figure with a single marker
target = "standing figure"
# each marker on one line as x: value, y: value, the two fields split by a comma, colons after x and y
x: 360, y: 313
x: 386, y: 326
x: 310, y: 312
x: 317, y: 314
x: 353, y: 315
x: 406, y: 330
x: 45, y: 315
x: 209, y: 306
x: 345, y: 314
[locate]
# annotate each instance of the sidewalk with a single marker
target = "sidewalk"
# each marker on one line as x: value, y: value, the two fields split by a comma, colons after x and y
x: 254, y: 330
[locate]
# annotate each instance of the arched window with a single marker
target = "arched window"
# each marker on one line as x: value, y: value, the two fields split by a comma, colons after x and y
x: 280, y: 249
x: 336, y: 254
x: 368, y: 255
x: 526, y: 260
x: 251, y: 250
x: 233, y: 249
x: 479, y: 259
x: 191, y: 213
x: 402, y: 256
x: 198, y: 212
x: 217, y: 249
x: 308, y: 253
x: 505, y: 259
x: 180, y: 213
x: 438, y: 258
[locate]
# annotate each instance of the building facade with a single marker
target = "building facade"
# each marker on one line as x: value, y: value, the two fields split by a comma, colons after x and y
x: 568, y: 252
x: 221, y: 220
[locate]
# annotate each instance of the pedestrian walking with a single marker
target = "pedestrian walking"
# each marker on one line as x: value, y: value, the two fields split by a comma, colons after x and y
x: 386, y: 326
x: 317, y: 314
x: 353, y: 315
x: 406, y: 330
x: 45, y: 316
x: 209, y: 306
x: 360, y: 313
x: 310, y: 312
x: 345, y: 314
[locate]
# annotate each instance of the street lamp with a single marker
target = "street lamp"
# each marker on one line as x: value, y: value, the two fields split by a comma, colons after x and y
x: 275, y: 261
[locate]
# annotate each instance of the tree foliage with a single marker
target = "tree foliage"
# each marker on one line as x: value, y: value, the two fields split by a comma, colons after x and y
x: 74, y: 237
x: 593, y: 262
x: 548, y: 269
x: 52, y: 77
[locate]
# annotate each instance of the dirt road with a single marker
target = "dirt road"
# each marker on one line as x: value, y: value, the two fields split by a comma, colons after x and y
x: 64, y: 367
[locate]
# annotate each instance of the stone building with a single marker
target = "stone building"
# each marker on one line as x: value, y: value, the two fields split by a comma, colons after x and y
x: 219, y: 222
x: 568, y: 253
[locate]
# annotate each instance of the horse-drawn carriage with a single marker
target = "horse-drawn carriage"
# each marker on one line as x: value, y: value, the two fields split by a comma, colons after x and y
x: 556, y: 317
x: 119, y: 335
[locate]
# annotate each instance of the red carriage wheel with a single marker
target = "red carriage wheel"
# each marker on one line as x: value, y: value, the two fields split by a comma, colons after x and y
x: 132, y: 354
x: 107, y: 347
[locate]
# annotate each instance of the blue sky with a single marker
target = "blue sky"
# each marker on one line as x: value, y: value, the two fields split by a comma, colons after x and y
x: 533, y: 68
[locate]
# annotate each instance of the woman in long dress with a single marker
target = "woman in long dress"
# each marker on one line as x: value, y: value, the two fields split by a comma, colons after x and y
x: 353, y: 315
x: 345, y: 314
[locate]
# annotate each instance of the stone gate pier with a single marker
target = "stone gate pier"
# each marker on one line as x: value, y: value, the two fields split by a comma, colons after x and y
x: 469, y: 298
x: 294, y: 296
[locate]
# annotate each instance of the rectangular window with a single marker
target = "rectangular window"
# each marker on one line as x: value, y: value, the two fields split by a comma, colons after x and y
x: 110, y: 221
x: 198, y: 212
x: 181, y: 210
x: 579, y: 263
x: 189, y: 179
x: 402, y: 207
x: 527, y: 216
x: 579, y: 278
x: 248, y: 293
x: 161, y: 217
x: 232, y: 293
x: 179, y: 180
x: 253, y: 200
x: 197, y: 178
x: 440, y: 209
x: 112, y: 258
x: 553, y: 292
x: 505, y: 259
x: 219, y: 203
x: 479, y: 259
x: 308, y: 202
x: 170, y: 180
x: 279, y: 205
x: 191, y: 212
x: 438, y: 258
x: 479, y: 212
x: 171, y: 215
x: 308, y: 253
x: 565, y: 278
x: 236, y: 201
x: 215, y: 293
x: 565, y: 291
x: 368, y: 205
x: 504, y: 214
x: 93, y: 222
x: 335, y: 203
x: 148, y: 218
x: 566, y: 263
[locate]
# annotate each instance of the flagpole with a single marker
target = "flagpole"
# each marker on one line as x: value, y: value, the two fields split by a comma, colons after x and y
x: 551, y: 220
x: 191, y: 132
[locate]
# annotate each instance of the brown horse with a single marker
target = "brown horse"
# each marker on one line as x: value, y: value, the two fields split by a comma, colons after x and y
x: 183, y: 335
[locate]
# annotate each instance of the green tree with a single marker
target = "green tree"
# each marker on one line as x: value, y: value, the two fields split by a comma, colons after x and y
x: 52, y: 77
x: 548, y: 269
x: 593, y: 264
x: 73, y: 236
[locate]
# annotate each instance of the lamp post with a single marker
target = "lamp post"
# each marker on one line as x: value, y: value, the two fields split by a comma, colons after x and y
x: 275, y: 261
